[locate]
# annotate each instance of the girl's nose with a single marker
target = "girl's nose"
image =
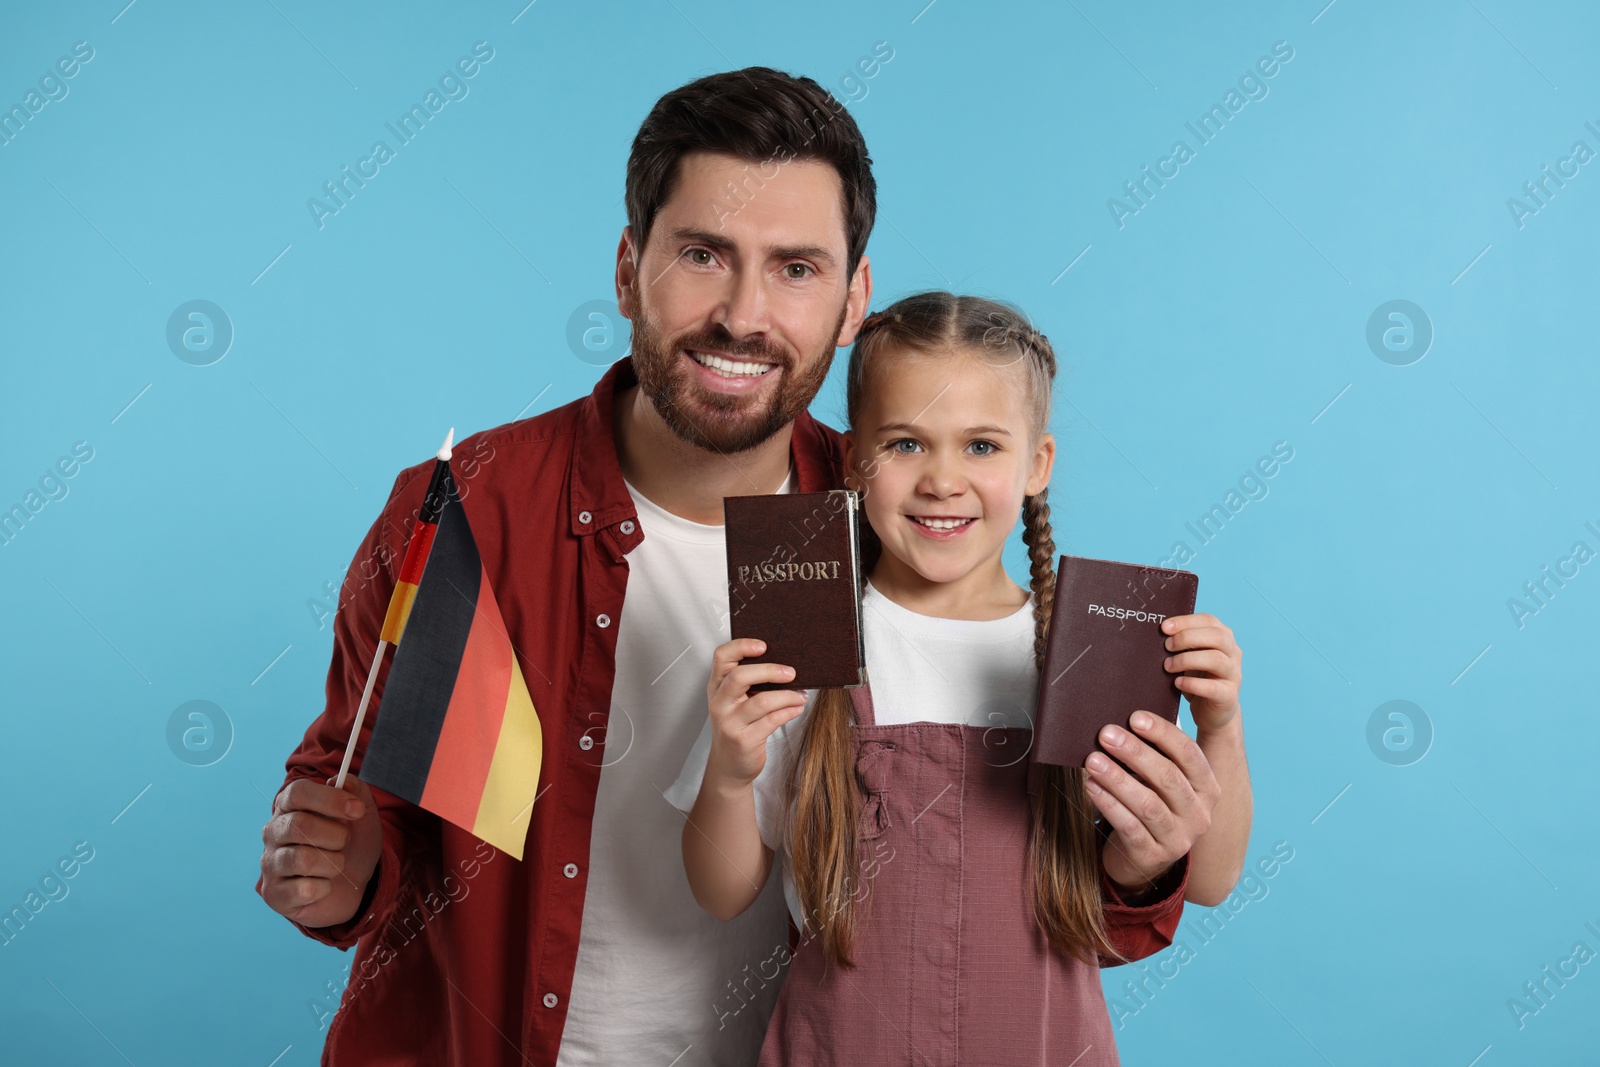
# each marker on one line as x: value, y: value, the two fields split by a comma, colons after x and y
x: 941, y: 477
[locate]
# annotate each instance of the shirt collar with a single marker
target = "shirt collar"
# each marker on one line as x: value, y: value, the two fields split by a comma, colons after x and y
x: 599, y: 495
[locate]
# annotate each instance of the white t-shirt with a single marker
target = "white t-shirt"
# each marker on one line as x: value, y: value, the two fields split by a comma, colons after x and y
x: 923, y: 669
x: 655, y: 976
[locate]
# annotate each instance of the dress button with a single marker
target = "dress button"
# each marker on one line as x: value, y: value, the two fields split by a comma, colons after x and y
x: 585, y: 518
x: 549, y: 1000
x: 602, y: 621
x: 586, y: 742
x: 570, y: 870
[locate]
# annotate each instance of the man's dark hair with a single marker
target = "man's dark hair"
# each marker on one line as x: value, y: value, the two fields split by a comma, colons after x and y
x: 757, y: 114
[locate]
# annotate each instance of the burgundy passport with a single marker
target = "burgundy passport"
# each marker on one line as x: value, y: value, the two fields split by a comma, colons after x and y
x: 1105, y: 652
x: 794, y: 581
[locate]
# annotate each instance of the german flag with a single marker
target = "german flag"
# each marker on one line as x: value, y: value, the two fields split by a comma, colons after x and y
x: 457, y: 733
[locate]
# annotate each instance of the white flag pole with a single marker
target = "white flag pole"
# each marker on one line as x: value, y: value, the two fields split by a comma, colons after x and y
x: 377, y: 660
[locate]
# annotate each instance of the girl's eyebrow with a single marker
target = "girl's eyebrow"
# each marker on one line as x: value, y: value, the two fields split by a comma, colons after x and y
x: 969, y: 431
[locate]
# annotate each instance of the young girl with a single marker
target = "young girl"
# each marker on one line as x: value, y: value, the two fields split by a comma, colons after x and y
x: 954, y: 909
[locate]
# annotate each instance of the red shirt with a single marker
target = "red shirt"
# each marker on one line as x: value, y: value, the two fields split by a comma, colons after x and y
x: 464, y: 956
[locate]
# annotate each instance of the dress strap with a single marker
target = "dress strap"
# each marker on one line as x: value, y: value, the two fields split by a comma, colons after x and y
x: 861, y: 697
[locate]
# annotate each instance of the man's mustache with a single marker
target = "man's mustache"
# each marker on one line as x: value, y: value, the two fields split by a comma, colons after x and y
x: 724, y: 345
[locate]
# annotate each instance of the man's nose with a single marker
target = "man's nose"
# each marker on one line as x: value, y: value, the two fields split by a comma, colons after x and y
x: 745, y: 308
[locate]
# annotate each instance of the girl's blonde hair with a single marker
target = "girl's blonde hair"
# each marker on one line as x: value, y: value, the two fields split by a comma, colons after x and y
x: 1064, y: 847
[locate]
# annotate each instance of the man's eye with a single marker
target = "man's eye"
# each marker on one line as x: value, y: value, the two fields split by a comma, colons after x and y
x: 695, y: 255
x: 797, y: 271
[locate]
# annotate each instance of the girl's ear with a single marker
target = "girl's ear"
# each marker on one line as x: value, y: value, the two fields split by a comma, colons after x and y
x: 849, y: 457
x: 1044, y: 460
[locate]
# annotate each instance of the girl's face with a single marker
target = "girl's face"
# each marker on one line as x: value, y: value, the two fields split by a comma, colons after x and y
x: 945, y: 453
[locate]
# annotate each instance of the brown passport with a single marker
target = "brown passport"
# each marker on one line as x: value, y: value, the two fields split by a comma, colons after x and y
x: 1104, y: 658
x: 794, y: 581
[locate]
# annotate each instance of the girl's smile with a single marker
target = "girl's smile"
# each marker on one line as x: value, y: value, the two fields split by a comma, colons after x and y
x: 941, y: 528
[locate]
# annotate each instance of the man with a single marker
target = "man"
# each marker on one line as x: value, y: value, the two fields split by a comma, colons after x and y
x: 750, y: 199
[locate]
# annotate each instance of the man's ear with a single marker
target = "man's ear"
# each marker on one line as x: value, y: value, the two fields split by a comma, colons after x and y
x: 627, y: 272
x: 857, y: 303
x: 1044, y: 461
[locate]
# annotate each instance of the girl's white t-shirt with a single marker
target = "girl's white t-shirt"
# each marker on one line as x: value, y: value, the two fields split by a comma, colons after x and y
x: 923, y: 669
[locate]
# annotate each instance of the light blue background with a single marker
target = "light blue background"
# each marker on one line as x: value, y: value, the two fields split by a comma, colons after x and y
x: 1228, y: 314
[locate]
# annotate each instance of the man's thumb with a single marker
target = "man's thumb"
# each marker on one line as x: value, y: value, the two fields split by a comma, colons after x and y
x: 360, y: 790
x: 363, y: 790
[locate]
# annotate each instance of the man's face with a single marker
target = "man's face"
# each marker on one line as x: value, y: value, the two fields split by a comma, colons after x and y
x: 740, y: 297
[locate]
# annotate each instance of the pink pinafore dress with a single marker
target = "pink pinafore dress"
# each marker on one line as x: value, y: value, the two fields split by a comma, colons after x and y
x: 951, y: 967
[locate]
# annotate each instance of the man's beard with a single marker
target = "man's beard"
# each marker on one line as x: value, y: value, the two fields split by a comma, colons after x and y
x: 723, y: 422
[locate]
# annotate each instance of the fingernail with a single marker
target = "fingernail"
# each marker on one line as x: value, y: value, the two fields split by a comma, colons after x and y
x: 761, y: 646
x: 352, y: 808
x: 1098, y: 762
x: 1112, y: 736
x: 1093, y: 786
x: 1141, y: 721
x: 788, y: 672
x: 1167, y: 663
x: 1168, y: 644
x: 1166, y: 625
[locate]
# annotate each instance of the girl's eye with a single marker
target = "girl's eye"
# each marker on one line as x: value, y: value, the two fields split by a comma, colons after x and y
x: 894, y: 446
x: 987, y: 446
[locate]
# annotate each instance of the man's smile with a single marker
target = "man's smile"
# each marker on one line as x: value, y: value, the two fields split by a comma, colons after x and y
x: 728, y: 374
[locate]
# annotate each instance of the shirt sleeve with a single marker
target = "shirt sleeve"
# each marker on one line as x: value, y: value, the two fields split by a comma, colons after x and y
x: 771, y: 784
x: 1137, y: 931
x: 768, y: 786
x: 363, y: 602
x: 681, y: 794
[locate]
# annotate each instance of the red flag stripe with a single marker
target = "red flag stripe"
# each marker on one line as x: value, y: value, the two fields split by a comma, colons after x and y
x: 468, y: 736
x: 417, y: 552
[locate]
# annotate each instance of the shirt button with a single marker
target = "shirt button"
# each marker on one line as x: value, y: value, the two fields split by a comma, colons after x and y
x: 570, y: 870
x: 586, y: 742
x: 602, y: 621
x: 585, y: 518
x: 549, y: 1000
x: 627, y: 526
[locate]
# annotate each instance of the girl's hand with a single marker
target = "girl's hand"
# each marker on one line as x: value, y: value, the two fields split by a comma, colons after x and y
x: 741, y: 723
x: 1209, y: 664
x: 1159, y: 806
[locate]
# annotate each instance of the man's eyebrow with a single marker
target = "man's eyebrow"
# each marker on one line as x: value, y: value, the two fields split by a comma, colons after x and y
x: 970, y: 431
x: 724, y: 244
x: 816, y: 252
x: 702, y: 237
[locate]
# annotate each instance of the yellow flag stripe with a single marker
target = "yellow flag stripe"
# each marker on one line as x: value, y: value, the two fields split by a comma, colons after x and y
x: 394, y: 623
x: 506, y: 808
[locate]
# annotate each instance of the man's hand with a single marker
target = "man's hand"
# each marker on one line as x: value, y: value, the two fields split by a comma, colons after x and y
x: 322, y: 846
x: 1158, y: 811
